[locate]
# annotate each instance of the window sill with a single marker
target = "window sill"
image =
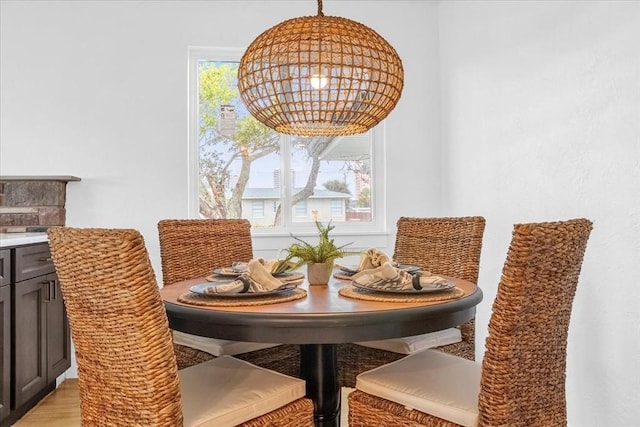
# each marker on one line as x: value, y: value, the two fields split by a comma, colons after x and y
x: 269, y: 245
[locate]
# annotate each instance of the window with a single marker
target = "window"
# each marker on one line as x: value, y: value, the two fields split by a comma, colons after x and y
x: 337, y: 207
x: 257, y: 209
x: 301, y: 208
x: 238, y: 164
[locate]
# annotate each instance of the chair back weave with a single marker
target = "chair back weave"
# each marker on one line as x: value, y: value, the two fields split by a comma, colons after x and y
x: 446, y: 246
x: 191, y: 248
x: 523, y: 369
x: 126, y: 366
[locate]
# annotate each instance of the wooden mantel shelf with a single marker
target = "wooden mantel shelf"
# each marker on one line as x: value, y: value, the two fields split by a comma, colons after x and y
x: 59, y: 178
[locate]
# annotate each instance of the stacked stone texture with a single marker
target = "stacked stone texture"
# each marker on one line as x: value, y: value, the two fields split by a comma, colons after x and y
x: 29, y: 206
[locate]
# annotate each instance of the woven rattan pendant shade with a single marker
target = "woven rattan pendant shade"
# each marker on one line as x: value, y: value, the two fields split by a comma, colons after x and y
x: 320, y: 76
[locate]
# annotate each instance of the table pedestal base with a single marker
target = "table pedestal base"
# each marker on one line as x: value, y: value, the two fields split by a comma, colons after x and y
x: 319, y: 368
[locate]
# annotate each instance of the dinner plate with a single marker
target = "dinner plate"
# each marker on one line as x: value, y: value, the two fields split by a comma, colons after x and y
x: 427, y: 288
x: 408, y: 268
x: 202, y: 287
x: 348, y: 270
x: 229, y: 272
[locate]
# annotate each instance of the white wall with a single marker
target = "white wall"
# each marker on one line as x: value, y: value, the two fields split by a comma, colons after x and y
x: 99, y: 90
x: 539, y: 116
x: 541, y: 109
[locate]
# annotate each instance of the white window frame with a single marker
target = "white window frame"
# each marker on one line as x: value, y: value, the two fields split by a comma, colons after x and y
x: 377, y: 226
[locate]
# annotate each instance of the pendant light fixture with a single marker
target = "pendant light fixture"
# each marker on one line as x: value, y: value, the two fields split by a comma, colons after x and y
x: 320, y: 76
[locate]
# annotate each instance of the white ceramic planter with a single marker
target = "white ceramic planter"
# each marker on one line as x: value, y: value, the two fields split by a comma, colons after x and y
x: 319, y: 273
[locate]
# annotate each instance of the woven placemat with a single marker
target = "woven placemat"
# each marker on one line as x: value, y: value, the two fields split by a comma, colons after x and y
x: 212, y: 301
x: 351, y: 291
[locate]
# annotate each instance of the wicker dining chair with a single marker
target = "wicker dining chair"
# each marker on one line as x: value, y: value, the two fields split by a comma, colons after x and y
x: 521, y: 380
x: 192, y: 248
x: 127, y: 368
x: 443, y: 246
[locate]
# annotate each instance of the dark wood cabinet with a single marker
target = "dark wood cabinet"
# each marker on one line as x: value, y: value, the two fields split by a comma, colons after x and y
x: 30, y: 371
x: 5, y: 267
x: 39, y: 335
x: 5, y: 352
x: 58, y: 333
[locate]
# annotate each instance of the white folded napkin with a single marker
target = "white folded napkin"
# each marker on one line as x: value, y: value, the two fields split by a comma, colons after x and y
x: 388, y: 277
x: 279, y: 266
x: 256, y: 279
x: 372, y: 259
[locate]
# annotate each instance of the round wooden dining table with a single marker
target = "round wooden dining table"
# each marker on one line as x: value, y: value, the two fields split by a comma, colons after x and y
x: 318, y: 322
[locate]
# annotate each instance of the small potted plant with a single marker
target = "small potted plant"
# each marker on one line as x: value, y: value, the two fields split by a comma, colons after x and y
x: 319, y: 258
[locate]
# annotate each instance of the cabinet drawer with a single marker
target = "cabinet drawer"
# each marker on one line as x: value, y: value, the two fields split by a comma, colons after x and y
x: 5, y: 267
x: 32, y: 261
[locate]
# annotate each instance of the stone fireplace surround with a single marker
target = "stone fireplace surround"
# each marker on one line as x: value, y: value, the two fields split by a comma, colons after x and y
x: 32, y: 203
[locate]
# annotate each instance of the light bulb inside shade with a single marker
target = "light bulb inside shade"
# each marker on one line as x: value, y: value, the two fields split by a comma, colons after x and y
x: 318, y: 81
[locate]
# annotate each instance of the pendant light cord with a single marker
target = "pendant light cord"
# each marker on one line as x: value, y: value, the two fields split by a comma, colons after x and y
x: 320, y: 13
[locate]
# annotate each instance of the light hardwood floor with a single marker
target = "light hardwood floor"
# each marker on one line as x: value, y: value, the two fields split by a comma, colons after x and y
x: 61, y: 408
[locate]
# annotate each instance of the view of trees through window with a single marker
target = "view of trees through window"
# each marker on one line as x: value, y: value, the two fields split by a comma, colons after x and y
x: 247, y: 170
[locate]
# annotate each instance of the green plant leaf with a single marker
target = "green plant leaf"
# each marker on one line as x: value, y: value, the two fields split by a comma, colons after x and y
x: 325, y: 251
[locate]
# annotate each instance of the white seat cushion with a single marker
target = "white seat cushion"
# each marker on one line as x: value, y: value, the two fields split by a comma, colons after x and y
x: 429, y: 381
x: 217, y: 347
x: 415, y: 343
x: 227, y: 391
